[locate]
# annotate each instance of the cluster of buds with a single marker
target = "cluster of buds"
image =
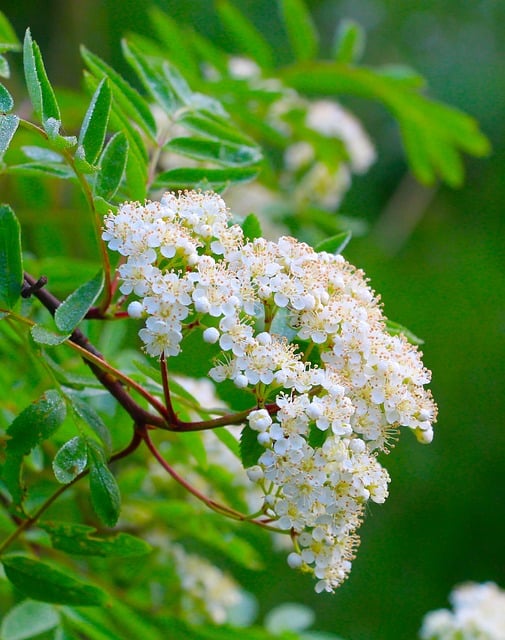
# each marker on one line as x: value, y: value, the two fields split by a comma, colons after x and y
x: 300, y: 329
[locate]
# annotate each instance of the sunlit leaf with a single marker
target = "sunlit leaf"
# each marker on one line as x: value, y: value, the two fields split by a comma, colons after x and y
x: 11, y: 267
x: 394, y: 328
x: 41, y: 154
x: 28, y: 619
x: 54, y: 170
x: 41, y: 581
x: 301, y: 30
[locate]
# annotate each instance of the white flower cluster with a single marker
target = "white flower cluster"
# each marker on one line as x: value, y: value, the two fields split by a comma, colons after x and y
x: 306, y: 334
x: 479, y: 614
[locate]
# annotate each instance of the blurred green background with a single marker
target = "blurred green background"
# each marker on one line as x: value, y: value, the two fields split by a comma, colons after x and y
x: 437, y: 257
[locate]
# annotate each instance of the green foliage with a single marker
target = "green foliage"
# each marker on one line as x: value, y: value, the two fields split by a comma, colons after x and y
x: 11, y: 267
x: 41, y: 581
x: 216, y: 131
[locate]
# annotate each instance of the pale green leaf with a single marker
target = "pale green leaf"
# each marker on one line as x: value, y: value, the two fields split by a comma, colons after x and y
x: 223, y: 153
x: 8, y: 125
x: 6, y: 101
x: 70, y: 460
x: 74, y: 308
x: 28, y: 619
x: 39, y: 88
x: 349, y: 42
x: 336, y: 244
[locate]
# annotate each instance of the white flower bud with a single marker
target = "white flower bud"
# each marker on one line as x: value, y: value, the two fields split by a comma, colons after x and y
x: 255, y: 473
x: 294, y: 560
x: 211, y: 335
x: 260, y: 420
x: 135, y: 309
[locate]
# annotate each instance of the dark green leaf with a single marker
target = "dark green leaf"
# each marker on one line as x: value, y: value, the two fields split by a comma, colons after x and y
x: 39, y: 88
x: 394, y: 328
x: 335, y: 244
x: 6, y: 101
x: 150, y: 72
x: 203, y: 178
x: 244, y: 33
x: 349, y: 42
x: 213, y: 126
x: 105, y: 496
x: 316, y: 436
x: 251, y: 227
x: 28, y: 619
x: 83, y: 540
x: 8, y: 126
x: 129, y: 100
x: 224, y: 153
x: 301, y: 30
x: 250, y: 448
x: 74, y: 308
x: 94, y: 126
x: 41, y: 335
x: 32, y: 426
x: 70, y: 460
x: 11, y: 268
x: 41, y: 581
x: 112, y: 166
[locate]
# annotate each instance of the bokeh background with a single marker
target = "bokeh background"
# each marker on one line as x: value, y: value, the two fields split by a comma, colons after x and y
x: 437, y: 257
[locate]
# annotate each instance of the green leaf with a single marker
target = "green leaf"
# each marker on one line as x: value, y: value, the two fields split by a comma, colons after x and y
x: 28, y: 619
x: 82, y: 540
x: 6, y: 101
x: 72, y: 310
x: 289, y: 616
x: 301, y: 30
x: 86, y: 412
x: 70, y: 460
x: 41, y: 335
x: 44, y: 582
x: 251, y: 227
x: 112, y: 166
x: 8, y: 126
x: 227, y: 154
x: 94, y: 126
x: 205, y: 179
x: 394, y: 329
x: 250, y: 448
x: 349, y: 42
x: 433, y: 133
x: 150, y: 73
x: 336, y: 244
x: 54, y: 170
x: 317, y: 437
x: 247, y: 38
x: 41, y: 154
x: 11, y: 268
x: 39, y: 88
x: 213, y: 126
x: 31, y: 427
x: 175, y: 40
x: 126, y: 97
x: 4, y: 66
x: 8, y: 38
x: 105, y: 496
